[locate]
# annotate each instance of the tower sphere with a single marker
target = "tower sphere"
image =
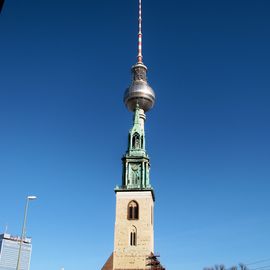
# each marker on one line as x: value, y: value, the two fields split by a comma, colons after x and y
x: 139, y: 92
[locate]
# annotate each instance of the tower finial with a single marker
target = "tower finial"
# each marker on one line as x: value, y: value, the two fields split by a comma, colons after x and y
x: 140, y: 57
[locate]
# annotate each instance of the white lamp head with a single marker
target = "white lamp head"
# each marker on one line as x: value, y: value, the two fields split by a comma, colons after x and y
x: 31, y: 197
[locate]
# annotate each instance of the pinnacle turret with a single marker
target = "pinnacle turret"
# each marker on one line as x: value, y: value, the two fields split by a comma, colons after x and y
x: 136, y: 144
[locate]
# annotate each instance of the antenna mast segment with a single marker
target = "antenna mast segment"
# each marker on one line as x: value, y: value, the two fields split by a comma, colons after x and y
x: 139, y: 57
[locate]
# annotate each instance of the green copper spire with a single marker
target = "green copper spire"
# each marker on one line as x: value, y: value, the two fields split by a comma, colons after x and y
x: 136, y: 142
x: 136, y: 164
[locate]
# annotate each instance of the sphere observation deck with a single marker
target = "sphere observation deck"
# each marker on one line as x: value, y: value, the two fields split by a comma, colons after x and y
x: 139, y: 92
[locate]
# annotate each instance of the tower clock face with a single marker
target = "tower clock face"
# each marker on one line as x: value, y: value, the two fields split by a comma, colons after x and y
x: 134, y: 167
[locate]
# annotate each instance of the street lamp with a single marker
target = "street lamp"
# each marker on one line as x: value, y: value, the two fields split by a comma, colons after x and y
x: 28, y: 198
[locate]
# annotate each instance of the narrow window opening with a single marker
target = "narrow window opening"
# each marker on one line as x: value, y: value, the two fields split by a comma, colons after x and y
x: 133, y: 237
x: 136, y: 213
x: 130, y: 212
x: 133, y: 210
x: 136, y: 141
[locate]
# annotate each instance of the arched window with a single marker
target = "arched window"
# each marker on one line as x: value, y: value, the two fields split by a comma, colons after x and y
x: 133, y: 210
x: 133, y: 236
x: 136, y: 141
x: 142, y: 142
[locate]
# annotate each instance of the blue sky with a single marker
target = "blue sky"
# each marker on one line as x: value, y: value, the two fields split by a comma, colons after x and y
x: 63, y: 127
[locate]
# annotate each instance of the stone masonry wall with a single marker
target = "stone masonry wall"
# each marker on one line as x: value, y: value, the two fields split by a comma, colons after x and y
x: 126, y: 256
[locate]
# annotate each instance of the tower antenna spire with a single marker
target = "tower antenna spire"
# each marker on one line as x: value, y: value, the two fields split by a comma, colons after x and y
x: 140, y: 57
x: 139, y: 92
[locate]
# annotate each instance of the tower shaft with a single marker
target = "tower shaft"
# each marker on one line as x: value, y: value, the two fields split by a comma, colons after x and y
x: 133, y: 237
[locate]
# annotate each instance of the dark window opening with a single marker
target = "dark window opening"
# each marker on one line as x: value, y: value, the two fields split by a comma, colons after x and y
x: 133, y: 240
x: 136, y: 141
x: 133, y: 210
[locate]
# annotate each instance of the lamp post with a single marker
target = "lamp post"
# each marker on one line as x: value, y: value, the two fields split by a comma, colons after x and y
x: 28, y: 198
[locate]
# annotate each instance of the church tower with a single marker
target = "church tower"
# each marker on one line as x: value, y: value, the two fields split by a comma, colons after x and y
x: 134, y: 221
